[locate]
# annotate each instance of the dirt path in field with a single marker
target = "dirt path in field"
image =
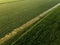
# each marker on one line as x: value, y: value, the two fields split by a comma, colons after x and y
x: 26, y: 25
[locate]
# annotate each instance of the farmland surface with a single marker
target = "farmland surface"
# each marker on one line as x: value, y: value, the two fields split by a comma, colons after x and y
x: 14, y: 13
x: 44, y: 32
x: 3, y: 1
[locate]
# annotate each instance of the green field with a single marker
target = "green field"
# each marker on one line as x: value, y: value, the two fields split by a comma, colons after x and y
x: 14, y: 13
x: 44, y: 32
x: 3, y: 1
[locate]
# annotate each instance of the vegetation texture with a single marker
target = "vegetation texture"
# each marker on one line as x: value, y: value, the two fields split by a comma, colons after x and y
x: 16, y: 13
x: 44, y: 32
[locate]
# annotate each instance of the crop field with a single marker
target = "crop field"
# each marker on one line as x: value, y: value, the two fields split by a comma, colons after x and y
x: 3, y: 1
x: 29, y: 22
x: 44, y: 32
